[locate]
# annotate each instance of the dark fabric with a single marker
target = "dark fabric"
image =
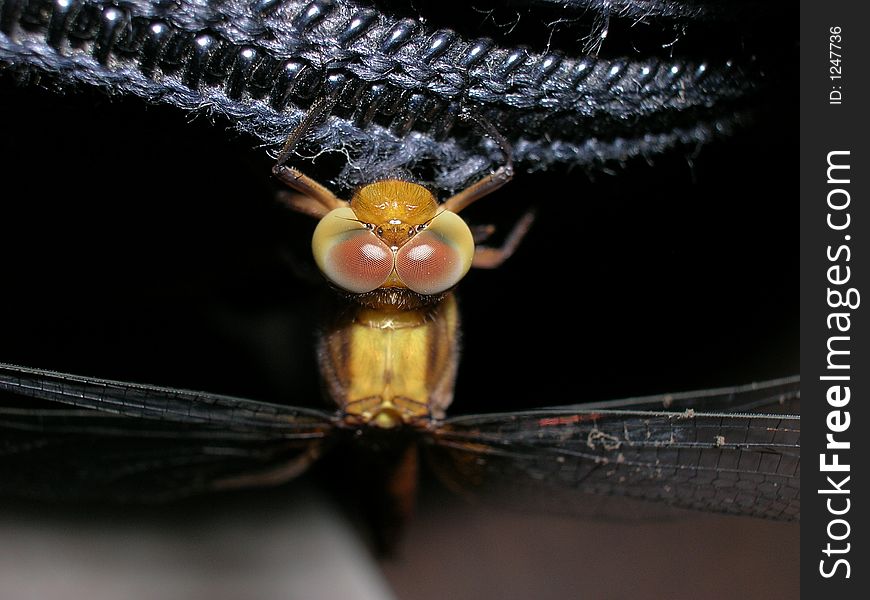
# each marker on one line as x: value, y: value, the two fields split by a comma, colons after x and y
x: 574, y: 82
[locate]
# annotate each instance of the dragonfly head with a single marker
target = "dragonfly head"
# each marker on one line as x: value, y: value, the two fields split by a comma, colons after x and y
x: 394, y: 235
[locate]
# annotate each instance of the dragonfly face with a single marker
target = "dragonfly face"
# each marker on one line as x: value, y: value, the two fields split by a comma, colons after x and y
x: 393, y: 237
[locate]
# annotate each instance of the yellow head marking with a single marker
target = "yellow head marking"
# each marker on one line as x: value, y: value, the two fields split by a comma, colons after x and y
x: 394, y: 207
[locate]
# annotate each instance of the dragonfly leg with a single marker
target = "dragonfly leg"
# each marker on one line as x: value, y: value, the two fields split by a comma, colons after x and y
x: 491, y: 182
x: 295, y: 178
x: 271, y: 476
x: 308, y: 187
x: 305, y: 204
x: 481, y: 233
x: 486, y: 257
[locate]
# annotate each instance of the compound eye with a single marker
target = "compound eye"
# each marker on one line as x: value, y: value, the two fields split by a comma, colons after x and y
x: 436, y: 258
x: 350, y: 255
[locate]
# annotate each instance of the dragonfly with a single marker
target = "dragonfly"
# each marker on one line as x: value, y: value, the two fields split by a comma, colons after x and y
x: 388, y: 359
x: 732, y: 450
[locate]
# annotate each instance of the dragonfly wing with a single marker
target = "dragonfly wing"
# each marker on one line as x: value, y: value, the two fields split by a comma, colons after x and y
x: 738, y: 463
x: 156, y: 402
x: 67, y: 437
x: 773, y: 396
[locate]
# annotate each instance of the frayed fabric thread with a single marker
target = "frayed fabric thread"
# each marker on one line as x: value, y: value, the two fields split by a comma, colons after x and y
x: 257, y: 65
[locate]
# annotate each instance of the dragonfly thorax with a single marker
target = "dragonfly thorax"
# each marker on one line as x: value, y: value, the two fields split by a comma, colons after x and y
x: 391, y: 368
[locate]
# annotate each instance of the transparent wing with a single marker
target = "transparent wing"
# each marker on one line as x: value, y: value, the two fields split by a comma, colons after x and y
x: 561, y: 458
x: 775, y: 395
x: 158, y: 403
x: 122, y: 441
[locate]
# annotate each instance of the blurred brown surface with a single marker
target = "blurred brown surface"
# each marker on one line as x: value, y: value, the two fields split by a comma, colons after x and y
x: 294, y: 543
x: 461, y: 552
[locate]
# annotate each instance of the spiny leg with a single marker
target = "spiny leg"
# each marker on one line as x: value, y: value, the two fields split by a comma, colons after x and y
x: 491, y: 182
x: 486, y: 257
x: 294, y: 178
x: 478, y: 190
